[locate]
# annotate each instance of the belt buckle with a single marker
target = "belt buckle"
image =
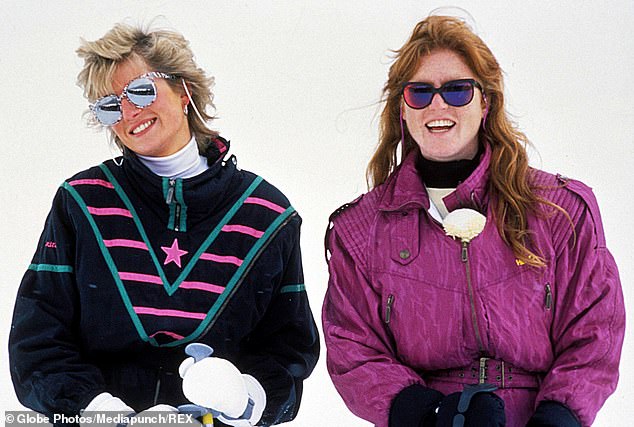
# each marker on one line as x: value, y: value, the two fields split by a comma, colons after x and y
x: 482, y: 373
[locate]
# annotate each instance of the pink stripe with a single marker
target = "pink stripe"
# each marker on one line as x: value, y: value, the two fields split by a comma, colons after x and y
x: 109, y: 211
x: 265, y: 203
x: 168, y: 333
x: 138, y: 277
x: 243, y: 229
x: 169, y: 313
x: 125, y: 243
x: 148, y: 278
x: 91, y: 182
x: 225, y: 259
x: 202, y: 286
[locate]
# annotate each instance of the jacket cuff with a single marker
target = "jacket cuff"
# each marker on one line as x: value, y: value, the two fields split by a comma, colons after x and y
x: 415, y: 406
x: 553, y: 414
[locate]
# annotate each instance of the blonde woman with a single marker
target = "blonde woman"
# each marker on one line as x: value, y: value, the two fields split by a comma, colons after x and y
x: 519, y: 320
x: 167, y: 245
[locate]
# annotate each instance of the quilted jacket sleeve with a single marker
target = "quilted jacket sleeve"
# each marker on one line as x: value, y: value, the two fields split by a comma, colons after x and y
x: 283, y: 350
x: 45, y: 359
x: 361, y: 358
x: 589, y: 317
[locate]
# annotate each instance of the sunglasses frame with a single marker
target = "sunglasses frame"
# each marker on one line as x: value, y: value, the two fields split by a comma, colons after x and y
x: 150, y: 76
x: 439, y: 90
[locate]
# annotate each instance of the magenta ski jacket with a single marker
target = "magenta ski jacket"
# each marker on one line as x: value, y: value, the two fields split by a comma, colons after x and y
x: 407, y: 304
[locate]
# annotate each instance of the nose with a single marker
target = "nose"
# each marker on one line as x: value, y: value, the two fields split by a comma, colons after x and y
x: 128, y: 109
x: 437, y: 102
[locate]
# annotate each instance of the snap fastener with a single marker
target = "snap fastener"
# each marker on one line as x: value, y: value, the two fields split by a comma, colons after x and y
x: 563, y: 178
x: 404, y: 254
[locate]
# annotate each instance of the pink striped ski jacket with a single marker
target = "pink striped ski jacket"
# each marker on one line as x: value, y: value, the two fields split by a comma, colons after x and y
x: 132, y: 266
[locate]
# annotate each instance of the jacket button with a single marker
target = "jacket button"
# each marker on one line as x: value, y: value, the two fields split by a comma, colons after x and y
x: 404, y: 254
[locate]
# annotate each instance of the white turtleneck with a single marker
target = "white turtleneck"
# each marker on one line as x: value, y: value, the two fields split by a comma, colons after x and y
x: 185, y: 163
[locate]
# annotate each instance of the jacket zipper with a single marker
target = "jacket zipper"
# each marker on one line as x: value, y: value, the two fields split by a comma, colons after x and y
x: 169, y: 199
x: 388, y: 308
x: 548, y: 299
x: 170, y: 191
x: 474, y: 317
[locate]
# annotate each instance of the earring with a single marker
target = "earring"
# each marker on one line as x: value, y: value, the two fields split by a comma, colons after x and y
x: 185, y: 110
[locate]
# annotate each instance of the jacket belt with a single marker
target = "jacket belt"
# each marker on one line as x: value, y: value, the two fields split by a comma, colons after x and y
x: 490, y: 371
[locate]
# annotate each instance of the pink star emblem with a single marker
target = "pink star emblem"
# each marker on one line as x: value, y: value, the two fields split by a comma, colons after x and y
x: 174, y: 254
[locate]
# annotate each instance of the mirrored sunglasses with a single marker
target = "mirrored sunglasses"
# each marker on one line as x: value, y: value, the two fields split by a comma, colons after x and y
x: 456, y: 93
x: 140, y: 91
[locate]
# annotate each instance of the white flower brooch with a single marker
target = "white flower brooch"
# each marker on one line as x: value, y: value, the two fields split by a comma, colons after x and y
x: 464, y: 224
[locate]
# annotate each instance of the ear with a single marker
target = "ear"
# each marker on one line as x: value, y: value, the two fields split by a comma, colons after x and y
x: 485, y: 109
x: 184, y: 96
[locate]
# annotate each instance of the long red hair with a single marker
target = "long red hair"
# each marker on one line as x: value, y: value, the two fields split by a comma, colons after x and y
x: 510, y: 183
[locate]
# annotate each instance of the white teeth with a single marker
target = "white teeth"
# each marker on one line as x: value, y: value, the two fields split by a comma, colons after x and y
x: 142, y: 127
x: 440, y: 123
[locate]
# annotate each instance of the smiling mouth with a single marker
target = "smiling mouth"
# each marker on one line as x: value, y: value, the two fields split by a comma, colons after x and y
x: 440, y: 125
x: 142, y: 127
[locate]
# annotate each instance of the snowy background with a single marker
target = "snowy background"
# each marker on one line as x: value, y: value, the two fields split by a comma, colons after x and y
x: 297, y: 86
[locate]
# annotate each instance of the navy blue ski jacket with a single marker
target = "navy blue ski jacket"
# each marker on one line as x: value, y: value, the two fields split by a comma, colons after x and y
x: 132, y: 266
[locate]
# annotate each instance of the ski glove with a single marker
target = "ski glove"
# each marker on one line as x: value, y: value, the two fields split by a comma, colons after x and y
x: 120, y: 412
x: 485, y: 410
x: 105, y: 402
x: 217, y: 384
x: 415, y: 406
x: 169, y: 416
x: 553, y: 414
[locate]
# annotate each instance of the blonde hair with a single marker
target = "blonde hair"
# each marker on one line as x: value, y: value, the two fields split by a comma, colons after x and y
x: 162, y: 50
x: 510, y: 183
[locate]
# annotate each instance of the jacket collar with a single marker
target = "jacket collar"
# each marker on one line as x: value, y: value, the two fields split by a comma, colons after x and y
x: 202, y: 191
x: 404, y: 189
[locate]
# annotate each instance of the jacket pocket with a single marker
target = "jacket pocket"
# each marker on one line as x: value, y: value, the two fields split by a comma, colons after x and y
x: 404, y: 236
x: 425, y: 322
x: 519, y: 310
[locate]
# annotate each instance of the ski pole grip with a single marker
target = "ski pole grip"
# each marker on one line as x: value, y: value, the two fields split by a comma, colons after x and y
x: 198, y: 351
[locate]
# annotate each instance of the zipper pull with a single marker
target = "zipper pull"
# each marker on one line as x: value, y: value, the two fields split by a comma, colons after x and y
x: 388, y: 308
x: 464, y: 252
x: 548, y: 299
x: 170, y: 192
x: 177, y: 217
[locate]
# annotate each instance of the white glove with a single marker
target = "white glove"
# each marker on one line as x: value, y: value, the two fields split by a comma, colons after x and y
x: 257, y: 401
x: 148, y: 418
x: 217, y: 384
x: 105, y: 402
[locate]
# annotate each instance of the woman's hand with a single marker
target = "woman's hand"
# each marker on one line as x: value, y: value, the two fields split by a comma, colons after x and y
x: 485, y: 410
x: 164, y: 415
x: 553, y: 414
x: 217, y: 384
